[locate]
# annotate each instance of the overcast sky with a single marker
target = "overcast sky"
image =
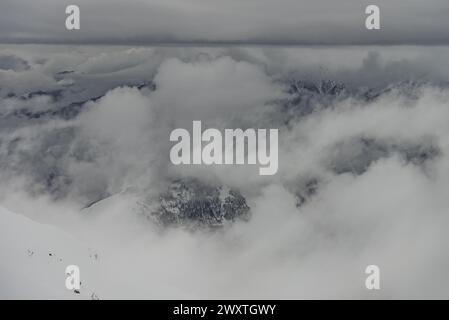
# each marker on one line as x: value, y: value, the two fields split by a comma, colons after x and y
x: 230, y: 21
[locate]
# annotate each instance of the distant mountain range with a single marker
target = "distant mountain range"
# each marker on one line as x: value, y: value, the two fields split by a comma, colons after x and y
x: 190, y: 202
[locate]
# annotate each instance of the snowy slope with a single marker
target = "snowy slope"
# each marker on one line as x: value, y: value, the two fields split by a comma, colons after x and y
x: 33, y: 258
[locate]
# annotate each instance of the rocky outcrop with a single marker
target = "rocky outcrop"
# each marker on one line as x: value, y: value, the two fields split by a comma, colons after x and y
x: 190, y: 202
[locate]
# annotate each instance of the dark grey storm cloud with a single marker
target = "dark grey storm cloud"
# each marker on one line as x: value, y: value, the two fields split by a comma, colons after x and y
x: 230, y: 21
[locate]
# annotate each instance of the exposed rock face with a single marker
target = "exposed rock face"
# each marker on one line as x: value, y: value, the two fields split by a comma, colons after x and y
x: 323, y: 87
x: 356, y: 155
x: 308, y: 96
x: 190, y: 202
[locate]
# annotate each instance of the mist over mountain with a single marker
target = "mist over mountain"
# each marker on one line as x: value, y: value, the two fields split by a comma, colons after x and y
x: 363, y: 171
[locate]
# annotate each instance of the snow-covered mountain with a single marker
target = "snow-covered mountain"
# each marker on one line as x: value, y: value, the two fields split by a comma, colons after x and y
x: 85, y: 172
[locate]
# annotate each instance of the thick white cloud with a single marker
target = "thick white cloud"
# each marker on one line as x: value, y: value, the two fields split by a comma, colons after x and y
x: 217, y: 89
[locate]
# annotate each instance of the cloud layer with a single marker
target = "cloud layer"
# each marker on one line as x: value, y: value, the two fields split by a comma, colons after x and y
x: 204, y: 21
x: 363, y: 175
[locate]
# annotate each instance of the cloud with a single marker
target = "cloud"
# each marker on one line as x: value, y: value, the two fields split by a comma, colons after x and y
x: 19, y: 83
x: 11, y: 62
x: 201, y: 21
x: 362, y: 179
x: 202, y: 90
